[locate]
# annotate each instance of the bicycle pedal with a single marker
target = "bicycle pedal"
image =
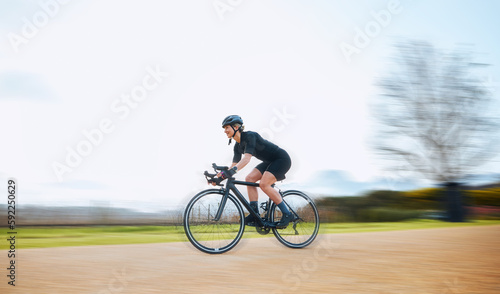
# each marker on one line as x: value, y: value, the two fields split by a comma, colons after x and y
x: 251, y: 224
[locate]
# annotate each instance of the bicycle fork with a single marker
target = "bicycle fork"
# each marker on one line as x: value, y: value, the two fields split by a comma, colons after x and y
x: 221, y: 205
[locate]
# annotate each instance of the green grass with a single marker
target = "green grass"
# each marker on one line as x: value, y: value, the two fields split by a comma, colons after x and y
x: 43, y: 237
x: 334, y: 228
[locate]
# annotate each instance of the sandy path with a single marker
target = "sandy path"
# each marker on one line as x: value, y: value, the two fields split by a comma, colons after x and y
x: 453, y: 260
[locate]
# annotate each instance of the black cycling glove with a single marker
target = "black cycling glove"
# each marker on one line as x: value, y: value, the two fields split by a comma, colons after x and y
x: 225, y: 174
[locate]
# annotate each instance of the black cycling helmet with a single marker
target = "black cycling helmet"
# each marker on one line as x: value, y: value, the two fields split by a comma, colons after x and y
x: 231, y: 120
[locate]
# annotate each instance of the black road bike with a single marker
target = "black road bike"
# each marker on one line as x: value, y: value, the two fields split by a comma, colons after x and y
x: 214, y: 220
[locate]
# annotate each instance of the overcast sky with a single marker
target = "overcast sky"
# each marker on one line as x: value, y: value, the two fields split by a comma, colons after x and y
x: 120, y: 102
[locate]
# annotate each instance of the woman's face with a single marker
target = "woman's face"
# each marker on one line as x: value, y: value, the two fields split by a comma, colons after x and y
x: 229, y: 131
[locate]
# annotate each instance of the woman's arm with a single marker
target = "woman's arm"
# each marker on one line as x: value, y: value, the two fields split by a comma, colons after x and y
x: 243, y: 162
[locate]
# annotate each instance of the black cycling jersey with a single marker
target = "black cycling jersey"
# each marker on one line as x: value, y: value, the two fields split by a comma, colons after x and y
x: 253, y: 143
x: 275, y: 160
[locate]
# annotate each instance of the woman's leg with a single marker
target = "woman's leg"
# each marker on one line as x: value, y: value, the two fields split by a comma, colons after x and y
x: 265, y: 184
x: 253, y: 195
x: 253, y: 176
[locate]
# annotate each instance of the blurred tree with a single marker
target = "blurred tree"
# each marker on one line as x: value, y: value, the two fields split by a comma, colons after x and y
x: 435, y: 113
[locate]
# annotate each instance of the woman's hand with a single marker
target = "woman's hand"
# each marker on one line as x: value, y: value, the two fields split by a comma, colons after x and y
x: 226, y: 174
x: 218, y: 175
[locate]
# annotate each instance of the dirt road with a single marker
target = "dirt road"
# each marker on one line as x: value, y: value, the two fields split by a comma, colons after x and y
x: 452, y: 260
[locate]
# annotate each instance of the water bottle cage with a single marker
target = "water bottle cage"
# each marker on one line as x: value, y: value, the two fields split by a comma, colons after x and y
x: 263, y: 205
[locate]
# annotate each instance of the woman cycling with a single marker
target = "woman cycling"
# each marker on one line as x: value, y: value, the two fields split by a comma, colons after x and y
x: 275, y: 164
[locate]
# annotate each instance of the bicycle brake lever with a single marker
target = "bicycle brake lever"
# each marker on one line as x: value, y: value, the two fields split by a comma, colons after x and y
x: 207, y: 174
x: 216, y: 181
x: 212, y: 178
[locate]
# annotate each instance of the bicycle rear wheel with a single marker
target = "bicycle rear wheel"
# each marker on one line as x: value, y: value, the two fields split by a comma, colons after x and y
x: 304, y: 227
x: 204, y: 232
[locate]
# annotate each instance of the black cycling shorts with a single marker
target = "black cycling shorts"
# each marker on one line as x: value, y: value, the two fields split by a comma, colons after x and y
x: 278, y: 167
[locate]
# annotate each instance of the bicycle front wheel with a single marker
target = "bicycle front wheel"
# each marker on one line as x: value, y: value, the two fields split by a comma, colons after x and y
x: 210, y: 235
x: 304, y: 226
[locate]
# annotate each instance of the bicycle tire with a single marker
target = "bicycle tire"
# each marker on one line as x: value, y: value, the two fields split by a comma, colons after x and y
x: 304, y: 228
x: 207, y: 235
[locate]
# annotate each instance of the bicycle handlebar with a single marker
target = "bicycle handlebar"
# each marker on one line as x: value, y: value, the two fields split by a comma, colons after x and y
x: 212, y: 178
x: 221, y: 168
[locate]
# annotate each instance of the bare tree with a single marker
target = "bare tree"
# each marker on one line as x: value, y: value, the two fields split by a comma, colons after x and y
x: 435, y: 113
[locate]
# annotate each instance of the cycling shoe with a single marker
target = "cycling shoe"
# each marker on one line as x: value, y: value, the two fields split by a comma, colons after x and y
x: 285, y: 220
x: 250, y: 221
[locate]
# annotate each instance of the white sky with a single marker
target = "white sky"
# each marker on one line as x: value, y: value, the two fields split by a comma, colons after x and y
x: 262, y: 58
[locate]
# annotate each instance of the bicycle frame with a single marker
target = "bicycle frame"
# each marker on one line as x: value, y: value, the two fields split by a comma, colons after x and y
x: 210, y: 234
x: 231, y: 186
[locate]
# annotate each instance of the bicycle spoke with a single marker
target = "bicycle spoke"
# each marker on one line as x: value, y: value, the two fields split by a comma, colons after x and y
x: 301, y: 231
x: 208, y: 235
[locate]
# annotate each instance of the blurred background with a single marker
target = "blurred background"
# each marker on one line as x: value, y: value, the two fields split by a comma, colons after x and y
x: 111, y: 111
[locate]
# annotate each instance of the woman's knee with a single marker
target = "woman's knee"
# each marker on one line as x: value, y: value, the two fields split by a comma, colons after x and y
x: 265, y: 185
x: 253, y: 177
